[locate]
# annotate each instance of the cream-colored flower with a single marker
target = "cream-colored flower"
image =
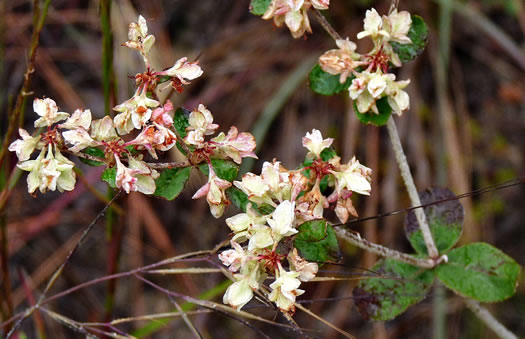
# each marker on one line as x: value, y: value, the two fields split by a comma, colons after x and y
x: 398, y: 24
x: 307, y: 270
x: 139, y: 38
x: 293, y: 13
x: 282, y: 220
x: 79, y: 118
x: 255, y: 187
x: 397, y: 98
x: 285, y: 289
x: 315, y: 143
x: 79, y: 139
x: 239, y: 293
x: 103, y: 129
x: 24, y: 147
x: 201, y: 124
x: 235, y: 145
x: 261, y: 237
x: 354, y: 177
x: 48, y: 111
x: 215, y: 192
x: 137, y: 177
x: 373, y: 26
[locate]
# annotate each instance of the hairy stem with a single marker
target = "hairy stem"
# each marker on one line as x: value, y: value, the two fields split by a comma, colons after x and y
x: 489, y: 320
x: 411, y: 188
x: 356, y: 240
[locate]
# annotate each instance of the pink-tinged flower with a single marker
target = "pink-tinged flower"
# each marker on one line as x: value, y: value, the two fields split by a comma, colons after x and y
x: 293, y: 13
x: 321, y: 4
x: 235, y: 145
x: 254, y: 187
x: 79, y: 139
x: 215, y: 192
x: 201, y: 124
x: 315, y: 143
x: 163, y: 115
x: 398, y: 25
x: 307, y: 270
x: 103, y: 129
x: 245, y: 221
x: 312, y: 204
x: 79, y: 118
x: 184, y: 71
x: 48, y: 111
x: 345, y: 208
x: 24, y: 147
x: 234, y: 258
x: 285, y: 289
x: 138, y: 177
x: 397, y: 98
x: 154, y: 137
x: 341, y: 61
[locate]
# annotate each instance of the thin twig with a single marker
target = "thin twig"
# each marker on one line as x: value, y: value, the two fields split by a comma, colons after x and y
x: 489, y: 320
x: 326, y: 25
x: 355, y: 239
x: 58, y: 272
x: 411, y: 188
x: 185, y: 317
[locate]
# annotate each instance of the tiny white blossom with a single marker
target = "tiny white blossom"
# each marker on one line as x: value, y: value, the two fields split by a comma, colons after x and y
x: 79, y: 118
x: 283, y: 219
x: 315, y: 143
x: 285, y: 289
x: 24, y: 147
x: 48, y: 111
x: 184, y: 70
x: 373, y: 26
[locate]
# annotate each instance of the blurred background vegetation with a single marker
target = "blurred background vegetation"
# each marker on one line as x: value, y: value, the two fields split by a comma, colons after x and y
x: 465, y: 130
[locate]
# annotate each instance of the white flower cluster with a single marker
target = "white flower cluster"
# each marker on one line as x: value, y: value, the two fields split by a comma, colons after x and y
x: 372, y: 81
x: 295, y: 197
x: 142, y: 112
x: 293, y: 13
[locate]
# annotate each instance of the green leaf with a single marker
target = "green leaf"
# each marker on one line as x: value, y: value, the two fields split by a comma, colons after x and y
x: 259, y: 7
x: 316, y: 241
x: 240, y: 200
x: 327, y: 154
x: 418, y: 33
x: 181, y: 121
x: 96, y: 152
x: 171, y: 182
x: 480, y: 271
x: 372, y: 118
x: 445, y: 220
x: 225, y: 169
x: 399, y: 286
x: 132, y: 149
x: 109, y: 175
x: 325, y: 83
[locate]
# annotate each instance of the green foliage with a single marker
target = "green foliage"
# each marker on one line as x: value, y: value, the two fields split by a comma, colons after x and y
x: 181, y: 121
x: 325, y: 83
x: 399, y: 286
x: 240, y: 200
x: 109, y: 175
x: 418, y: 33
x: 96, y: 152
x: 316, y: 241
x: 327, y: 154
x: 372, y: 118
x: 225, y: 169
x: 171, y: 182
x: 258, y: 7
x: 481, y: 272
x: 445, y: 220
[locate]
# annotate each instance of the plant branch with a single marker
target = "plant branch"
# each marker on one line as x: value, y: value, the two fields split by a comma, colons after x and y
x: 411, y: 188
x: 58, y: 272
x: 489, y: 320
x: 356, y: 240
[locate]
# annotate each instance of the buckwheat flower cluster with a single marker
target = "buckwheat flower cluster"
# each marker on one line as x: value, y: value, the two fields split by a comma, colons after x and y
x: 371, y: 78
x: 262, y: 241
x: 142, y: 126
x: 293, y: 13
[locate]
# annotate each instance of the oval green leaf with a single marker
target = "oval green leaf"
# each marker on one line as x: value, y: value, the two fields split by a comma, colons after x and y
x: 109, y: 175
x: 418, y: 33
x: 225, y: 169
x: 398, y: 287
x: 171, y: 182
x: 445, y: 220
x: 259, y: 7
x: 181, y: 121
x: 325, y: 83
x: 481, y: 272
x: 316, y: 241
x: 372, y: 118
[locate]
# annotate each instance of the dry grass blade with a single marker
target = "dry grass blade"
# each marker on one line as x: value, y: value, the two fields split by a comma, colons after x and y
x: 326, y: 322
